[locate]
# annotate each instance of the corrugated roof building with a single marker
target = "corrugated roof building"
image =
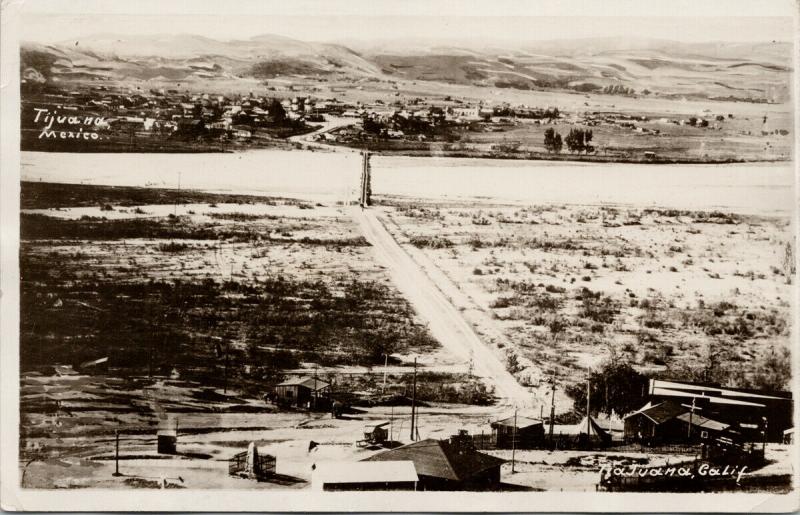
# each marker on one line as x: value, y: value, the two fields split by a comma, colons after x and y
x: 448, y: 464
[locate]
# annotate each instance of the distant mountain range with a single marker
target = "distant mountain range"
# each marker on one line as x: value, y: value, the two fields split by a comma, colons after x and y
x: 757, y: 71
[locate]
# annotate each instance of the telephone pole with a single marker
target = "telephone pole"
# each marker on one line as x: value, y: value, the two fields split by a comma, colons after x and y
x: 514, y: 441
x: 116, y: 453
x: 588, y: 415
x: 385, y: 367
x: 413, y: 400
x: 552, y: 408
x: 366, y: 187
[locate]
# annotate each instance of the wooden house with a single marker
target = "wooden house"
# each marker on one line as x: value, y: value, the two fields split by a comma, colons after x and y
x: 302, y: 392
x: 452, y: 464
x: 655, y: 423
x: 518, y: 432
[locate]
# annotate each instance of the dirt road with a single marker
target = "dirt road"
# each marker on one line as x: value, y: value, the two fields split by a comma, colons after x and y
x: 444, y: 320
x: 330, y: 123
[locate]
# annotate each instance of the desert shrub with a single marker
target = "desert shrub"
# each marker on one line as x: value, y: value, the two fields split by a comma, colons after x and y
x: 431, y: 242
x: 502, y: 302
x: 172, y: 247
x: 597, y: 307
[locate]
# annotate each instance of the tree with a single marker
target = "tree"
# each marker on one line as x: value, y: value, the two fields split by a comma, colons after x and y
x: 773, y: 372
x: 550, y: 139
x: 276, y: 112
x: 371, y: 126
x: 616, y: 387
x: 579, y: 140
x: 574, y: 140
x: 557, y: 143
x: 587, y: 139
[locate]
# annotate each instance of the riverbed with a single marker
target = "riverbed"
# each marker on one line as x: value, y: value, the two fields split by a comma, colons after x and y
x: 758, y: 188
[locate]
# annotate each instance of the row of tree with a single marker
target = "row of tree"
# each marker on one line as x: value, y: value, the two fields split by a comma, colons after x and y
x: 578, y: 140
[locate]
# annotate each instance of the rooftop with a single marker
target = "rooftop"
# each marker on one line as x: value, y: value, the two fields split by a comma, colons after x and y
x: 441, y: 459
x: 364, y: 472
x: 308, y: 382
x: 660, y: 412
x: 521, y: 422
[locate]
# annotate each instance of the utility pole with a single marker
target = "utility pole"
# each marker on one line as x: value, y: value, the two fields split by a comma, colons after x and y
x: 413, y: 400
x: 385, y: 367
x: 116, y: 453
x: 588, y: 415
x: 514, y: 441
x: 552, y: 407
x: 225, y: 389
x: 316, y: 367
x: 366, y: 188
x: 689, y: 429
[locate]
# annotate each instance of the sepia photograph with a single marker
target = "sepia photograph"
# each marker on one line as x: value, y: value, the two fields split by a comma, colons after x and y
x: 334, y: 250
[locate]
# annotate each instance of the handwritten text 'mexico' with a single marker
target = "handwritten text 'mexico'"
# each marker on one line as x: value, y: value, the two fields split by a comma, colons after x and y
x: 48, y: 118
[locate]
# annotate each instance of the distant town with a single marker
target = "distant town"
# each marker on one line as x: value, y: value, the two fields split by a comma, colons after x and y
x: 171, y: 120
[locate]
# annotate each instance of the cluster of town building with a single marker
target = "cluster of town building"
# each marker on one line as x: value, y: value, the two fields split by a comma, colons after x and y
x: 730, y: 426
x: 169, y: 111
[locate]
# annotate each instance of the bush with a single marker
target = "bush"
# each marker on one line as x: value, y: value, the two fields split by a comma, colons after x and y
x: 431, y: 242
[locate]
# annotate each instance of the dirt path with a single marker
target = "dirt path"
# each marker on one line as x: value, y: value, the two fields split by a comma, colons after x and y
x: 444, y: 320
x: 328, y: 125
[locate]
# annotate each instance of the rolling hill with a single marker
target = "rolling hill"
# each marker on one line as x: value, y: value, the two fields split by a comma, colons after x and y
x: 709, y: 70
x: 746, y: 71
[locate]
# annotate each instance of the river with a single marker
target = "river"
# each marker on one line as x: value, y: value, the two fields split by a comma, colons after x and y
x: 764, y: 188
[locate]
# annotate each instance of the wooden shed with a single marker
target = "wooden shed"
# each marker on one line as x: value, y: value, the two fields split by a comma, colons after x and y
x: 522, y: 433
x: 302, y: 392
x: 167, y: 441
x: 655, y: 424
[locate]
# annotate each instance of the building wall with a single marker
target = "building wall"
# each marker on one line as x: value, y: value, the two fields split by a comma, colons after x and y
x: 381, y: 486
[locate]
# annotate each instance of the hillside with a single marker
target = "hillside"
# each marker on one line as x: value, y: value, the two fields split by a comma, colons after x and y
x: 180, y: 57
x: 758, y: 72
x: 753, y: 71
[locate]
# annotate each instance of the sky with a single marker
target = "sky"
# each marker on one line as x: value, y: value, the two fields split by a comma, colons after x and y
x: 354, y: 21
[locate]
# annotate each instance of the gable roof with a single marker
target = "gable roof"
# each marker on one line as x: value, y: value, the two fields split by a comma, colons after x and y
x: 701, y: 421
x: 661, y: 412
x: 308, y: 382
x: 441, y: 459
x: 522, y: 422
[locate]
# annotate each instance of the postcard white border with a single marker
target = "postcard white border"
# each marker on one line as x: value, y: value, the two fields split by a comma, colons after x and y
x: 15, y: 498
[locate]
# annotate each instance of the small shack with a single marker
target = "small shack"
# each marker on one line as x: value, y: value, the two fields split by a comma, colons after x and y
x: 167, y: 441
x: 452, y: 464
x: 655, y: 424
x: 364, y: 476
x: 519, y: 432
x: 302, y: 392
x: 375, y: 434
x: 250, y: 464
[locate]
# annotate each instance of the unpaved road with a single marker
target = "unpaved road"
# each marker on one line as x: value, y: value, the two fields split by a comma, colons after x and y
x: 330, y: 123
x: 445, y: 322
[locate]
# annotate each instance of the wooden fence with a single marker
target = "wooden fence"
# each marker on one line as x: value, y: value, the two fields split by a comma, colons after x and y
x: 265, y: 465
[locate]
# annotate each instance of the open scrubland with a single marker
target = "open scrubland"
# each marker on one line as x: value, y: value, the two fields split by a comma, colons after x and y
x: 201, y: 302
x: 561, y: 289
